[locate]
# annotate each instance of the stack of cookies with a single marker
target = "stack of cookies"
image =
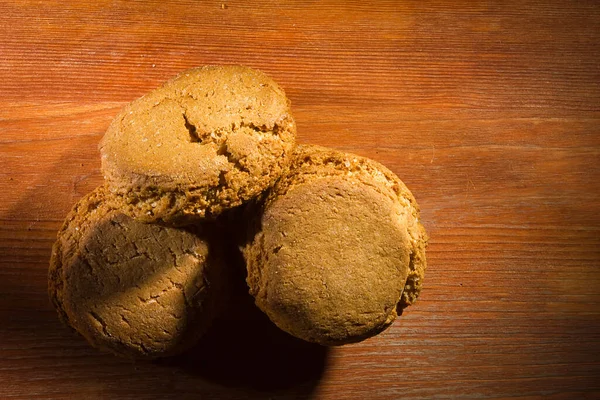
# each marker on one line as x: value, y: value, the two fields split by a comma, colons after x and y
x: 333, y: 245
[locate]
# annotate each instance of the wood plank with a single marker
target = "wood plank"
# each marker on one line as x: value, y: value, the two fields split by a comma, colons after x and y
x: 489, y: 111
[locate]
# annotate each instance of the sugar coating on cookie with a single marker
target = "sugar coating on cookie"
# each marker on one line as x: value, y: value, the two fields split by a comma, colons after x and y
x: 207, y: 140
x: 137, y: 290
x: 338, y: 249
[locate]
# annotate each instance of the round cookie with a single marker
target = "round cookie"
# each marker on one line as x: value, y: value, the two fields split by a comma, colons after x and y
x: 137, y: 290
x: 337, y: 250
x: 206, y: 141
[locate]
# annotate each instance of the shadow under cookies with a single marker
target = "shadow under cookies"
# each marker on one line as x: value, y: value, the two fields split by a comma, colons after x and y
x: 243, y: 356
x: 244, y: 349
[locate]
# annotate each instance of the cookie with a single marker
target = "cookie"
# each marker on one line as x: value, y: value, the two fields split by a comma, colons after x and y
x: 137, y: 290
x: 206, y: 141
x: 337, y: 250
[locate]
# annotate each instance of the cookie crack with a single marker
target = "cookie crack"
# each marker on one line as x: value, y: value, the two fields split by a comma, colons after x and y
x: 174, y: 256
x: 192, y: 253
x: 233, y: 160
x: 155, y: 297
x: 180, y: 287
x: 101, y: 322
x: 140, y: 252
x: 125, y: 320
x: 141, y: 346
x: 257, y: 128
x: 91, y: 271
x: 192, y: 130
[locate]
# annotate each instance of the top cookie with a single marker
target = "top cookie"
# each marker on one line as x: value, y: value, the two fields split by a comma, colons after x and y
x: 338, y: 249
x: 207, y: 140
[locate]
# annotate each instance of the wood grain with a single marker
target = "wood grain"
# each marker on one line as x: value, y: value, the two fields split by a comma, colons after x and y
x: 489, y: 111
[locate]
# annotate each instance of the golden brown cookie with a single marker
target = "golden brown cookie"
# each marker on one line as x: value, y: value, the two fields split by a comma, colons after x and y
x: 206, y: 141
x: 137, y: 290
x: 337, y: 249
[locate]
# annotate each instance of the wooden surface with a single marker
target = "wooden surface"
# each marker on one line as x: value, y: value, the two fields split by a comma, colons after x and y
x: 489, y: 111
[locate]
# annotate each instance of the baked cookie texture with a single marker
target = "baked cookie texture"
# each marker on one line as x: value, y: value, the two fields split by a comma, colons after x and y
x: 208, y: 140
x: 337, y: 250
x: 137, y: 290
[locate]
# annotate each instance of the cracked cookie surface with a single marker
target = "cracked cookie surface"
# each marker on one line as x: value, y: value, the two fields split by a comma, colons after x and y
x: 206, y: 141
x: 337, y: 250
x: 137, y: 290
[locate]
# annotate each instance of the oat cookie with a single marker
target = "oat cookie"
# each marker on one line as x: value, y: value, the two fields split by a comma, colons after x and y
x: 208, y: 140
x: 137, y: 290
x: 338, y: 248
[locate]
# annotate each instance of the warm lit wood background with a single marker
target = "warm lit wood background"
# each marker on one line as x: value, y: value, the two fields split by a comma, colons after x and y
x: 488, y: 110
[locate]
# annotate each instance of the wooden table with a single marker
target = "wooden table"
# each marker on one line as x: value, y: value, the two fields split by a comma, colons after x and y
x: 489, y: 111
